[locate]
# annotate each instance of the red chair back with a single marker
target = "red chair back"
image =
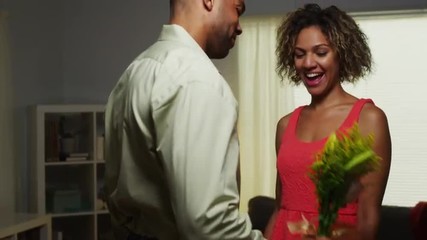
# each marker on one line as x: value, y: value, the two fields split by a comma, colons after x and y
x: 419, y: 221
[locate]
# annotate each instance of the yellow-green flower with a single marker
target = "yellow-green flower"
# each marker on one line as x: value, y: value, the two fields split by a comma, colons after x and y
x: 344, y: 159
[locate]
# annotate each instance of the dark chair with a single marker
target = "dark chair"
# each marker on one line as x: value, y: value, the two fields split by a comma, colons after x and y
x: 395, y: 223
x: 419, y: 221
x: 260, y: 209
x: 400, y: 223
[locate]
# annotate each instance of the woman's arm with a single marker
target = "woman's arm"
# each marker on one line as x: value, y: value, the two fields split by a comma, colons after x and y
x: 374, y: 121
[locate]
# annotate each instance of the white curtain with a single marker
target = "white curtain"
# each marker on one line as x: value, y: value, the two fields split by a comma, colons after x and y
x: 7, y: 169
x: 263, y: 99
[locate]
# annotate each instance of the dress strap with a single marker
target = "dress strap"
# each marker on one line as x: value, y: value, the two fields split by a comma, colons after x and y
x: 354, y: 114
x: 292, y: 124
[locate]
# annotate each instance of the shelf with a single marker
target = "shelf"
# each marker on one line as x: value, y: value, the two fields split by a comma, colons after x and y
x: 102, y: 212
x: 59, y: 215
x: 69, y: 163
x: 67, y: 169
x: 69, y: 188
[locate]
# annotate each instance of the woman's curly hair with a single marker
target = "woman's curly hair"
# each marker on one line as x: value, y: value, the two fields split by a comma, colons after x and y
x: 342, y: 32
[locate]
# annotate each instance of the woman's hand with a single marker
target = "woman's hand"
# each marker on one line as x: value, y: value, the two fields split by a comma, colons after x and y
x: 353, y: 192
x: 340, y: 232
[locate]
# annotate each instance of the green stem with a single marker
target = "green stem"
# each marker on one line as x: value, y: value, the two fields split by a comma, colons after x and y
x: 328, y: 214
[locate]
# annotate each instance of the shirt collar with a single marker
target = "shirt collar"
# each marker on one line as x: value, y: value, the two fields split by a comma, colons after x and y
x: 174, y: 32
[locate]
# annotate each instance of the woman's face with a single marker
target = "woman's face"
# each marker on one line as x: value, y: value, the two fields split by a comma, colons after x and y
x: 316, y: 61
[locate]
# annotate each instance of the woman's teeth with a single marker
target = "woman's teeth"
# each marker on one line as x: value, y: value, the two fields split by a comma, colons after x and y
x: 312, y: 75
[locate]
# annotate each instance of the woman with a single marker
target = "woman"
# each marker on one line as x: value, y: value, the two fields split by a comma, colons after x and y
x: 322, y: 48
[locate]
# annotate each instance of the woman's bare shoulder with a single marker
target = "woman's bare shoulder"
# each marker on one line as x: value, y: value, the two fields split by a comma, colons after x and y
x: 373, y: 114
x: 281, y: 126
x: 372, y: 118
x: 283, y: 123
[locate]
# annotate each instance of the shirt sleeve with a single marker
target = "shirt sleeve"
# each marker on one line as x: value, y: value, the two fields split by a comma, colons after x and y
x: 199, y: 147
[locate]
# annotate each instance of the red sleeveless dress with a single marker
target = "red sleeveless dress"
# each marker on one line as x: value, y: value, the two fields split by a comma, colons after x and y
x: 298, y: 192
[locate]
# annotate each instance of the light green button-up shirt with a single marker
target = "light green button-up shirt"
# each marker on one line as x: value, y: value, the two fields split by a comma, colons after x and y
x: 171, y: 146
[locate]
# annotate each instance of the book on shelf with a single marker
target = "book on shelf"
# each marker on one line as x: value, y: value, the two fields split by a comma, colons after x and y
x: 71, y: 159
x: 52, y: 146
x: 100, y: 148
x: 77, y: 157
x: 79, y: 154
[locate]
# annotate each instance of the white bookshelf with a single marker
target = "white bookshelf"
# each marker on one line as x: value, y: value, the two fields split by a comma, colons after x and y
x: 67, y: 169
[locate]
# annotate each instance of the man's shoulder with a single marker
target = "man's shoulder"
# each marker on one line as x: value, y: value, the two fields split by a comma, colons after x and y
x: 180, y: 61
x: 166, y: 52
x: 176, y: 66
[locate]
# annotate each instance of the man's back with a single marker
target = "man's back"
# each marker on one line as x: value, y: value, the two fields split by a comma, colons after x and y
x: 165, y: 174
x: 135, y: 179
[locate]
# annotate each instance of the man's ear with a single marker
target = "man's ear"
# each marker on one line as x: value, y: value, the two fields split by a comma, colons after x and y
x: 208, y: 4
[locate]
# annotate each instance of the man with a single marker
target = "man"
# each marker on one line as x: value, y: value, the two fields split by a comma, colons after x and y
x: 171, y: 143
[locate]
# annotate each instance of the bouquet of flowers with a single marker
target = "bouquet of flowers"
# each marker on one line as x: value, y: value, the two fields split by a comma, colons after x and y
x: 344, y: 159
